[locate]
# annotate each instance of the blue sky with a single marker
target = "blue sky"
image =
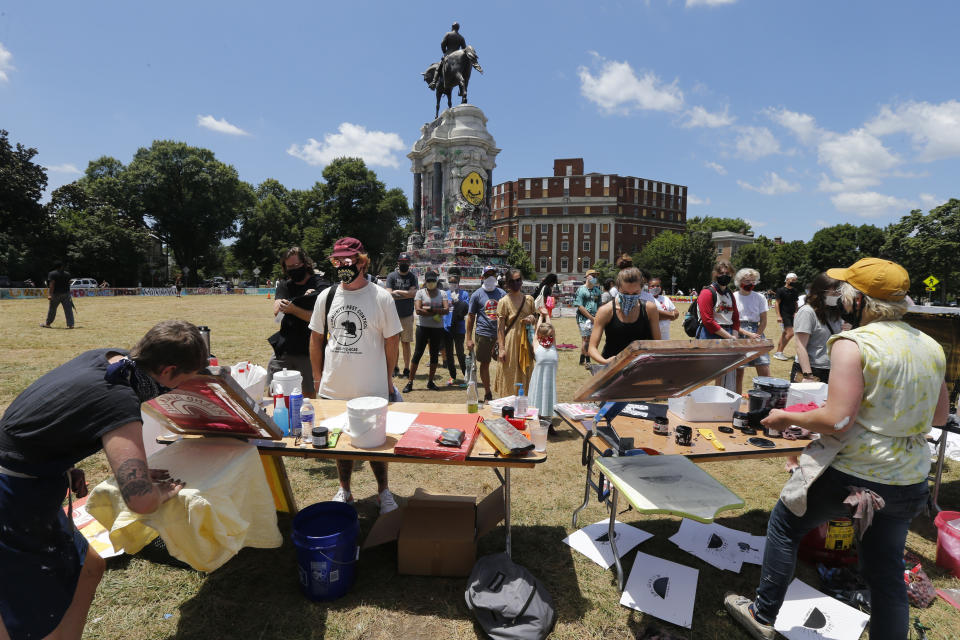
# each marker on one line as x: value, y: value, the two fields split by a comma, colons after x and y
x: 792, y: 114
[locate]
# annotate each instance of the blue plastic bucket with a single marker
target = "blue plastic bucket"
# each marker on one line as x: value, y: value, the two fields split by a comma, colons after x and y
x: 325, y: 536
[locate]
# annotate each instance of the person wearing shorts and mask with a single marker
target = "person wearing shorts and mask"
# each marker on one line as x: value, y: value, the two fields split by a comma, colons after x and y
x: 430, y: 305
x: 354, y: 348
x: 482, y: 324
x: 587, y: 302
x: 752, y: 308
x: 402, y: 285
x: 786, y: 305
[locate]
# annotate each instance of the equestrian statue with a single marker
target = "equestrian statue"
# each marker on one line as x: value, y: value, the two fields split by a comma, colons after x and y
x: 454, y: 68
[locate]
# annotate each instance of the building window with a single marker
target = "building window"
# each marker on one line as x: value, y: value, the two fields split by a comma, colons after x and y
x: 527, y: 228
x: 545, y: 186
x: 566, y: 183
x: 565, y: 228
x: 587, y: 182
x: 564, y: 264
x: 543, y: 245
x: 569, y: 169
x: 586, y: 263
x: 586, y: 246
x: 588, y: 227
x: 543, y: 264
x: 586, y: 209
x: 543, y: 211
x: 604, y: 246
x: 564, y: 245
x: 544, y: 228
x: 619, y: 228
x: 526, y: 247
x: 606, y: 210
x: 604, y: 228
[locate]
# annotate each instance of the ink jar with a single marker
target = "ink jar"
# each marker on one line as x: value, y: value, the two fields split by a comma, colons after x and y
x: 318, y: 437
x: 741, y: 419
x: 661, y: 426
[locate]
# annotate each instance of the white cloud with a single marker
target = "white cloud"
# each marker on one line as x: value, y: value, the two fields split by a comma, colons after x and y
x: 774, y: 185
x: 64, y: 168
x: 858, y: 159
x: 756, y: 142
x: 870, y: 204
x: 929, y: 201
x: 719, y: 168
x: 700, y: 117
x: 617, y: 88
x: 755, y: 224
x: 220, y: 126
x: 934, y: 129
x: 821, y: 223
x: 377, y: 148
x: 5, y: 63
x: 692, y: 199
x: 708, y: 3
x: 802, y: 125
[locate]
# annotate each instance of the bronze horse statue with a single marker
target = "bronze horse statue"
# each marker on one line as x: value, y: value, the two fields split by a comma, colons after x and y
x: 456, y: 73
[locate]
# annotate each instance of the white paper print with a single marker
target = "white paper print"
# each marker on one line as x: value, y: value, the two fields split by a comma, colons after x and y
x: 399, y: 421
x: 720, y: 546
x: 807, y: 614
x: 593, y: 540
x: 661, y: 588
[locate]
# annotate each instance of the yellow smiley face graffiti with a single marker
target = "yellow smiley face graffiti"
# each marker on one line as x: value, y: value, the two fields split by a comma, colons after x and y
x: 472, y: 188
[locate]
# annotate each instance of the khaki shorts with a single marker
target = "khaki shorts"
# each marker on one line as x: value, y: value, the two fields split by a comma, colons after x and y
x: 409, y: 326
x: 485, y: 346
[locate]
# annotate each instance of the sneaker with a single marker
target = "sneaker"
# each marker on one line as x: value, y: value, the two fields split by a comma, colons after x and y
x: 432, y: 386
x: 740, y: 609
x: 44, y: 326
x: 387, y: 502
x: 779, y: 356
x: 342, y: 495
x: 405, y: 374
x: 396, y: 372
x: 408, y: 388
x: 452, y: 383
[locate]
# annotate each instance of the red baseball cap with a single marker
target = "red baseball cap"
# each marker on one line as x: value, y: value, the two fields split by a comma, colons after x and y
x: 347, y: 248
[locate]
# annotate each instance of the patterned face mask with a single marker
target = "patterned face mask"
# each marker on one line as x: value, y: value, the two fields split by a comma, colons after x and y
x: 546, y: 343
x: 628, y: 301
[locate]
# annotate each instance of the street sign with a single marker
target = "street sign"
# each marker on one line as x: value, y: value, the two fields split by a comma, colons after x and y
x: 931, y: 282
x: 256, y: 271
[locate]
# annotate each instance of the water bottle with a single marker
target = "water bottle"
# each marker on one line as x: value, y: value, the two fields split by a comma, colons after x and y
x: 306, y: 418
x: 296, y: 402
x: 473, y: 398
x: 520, y: 405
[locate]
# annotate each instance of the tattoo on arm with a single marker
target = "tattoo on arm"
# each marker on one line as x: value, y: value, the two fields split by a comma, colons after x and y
x: 133, y: 478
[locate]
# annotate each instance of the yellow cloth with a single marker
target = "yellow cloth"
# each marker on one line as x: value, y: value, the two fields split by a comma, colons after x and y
x: 519, y: 363
x: 225, y: 505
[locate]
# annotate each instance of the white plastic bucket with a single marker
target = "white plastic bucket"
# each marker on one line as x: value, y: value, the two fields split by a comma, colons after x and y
x: 367, y: 422
x: 286, y: 382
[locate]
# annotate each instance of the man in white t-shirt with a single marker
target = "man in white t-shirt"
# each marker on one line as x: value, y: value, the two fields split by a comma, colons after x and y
x: 354, y: 349
x: 668, y: 311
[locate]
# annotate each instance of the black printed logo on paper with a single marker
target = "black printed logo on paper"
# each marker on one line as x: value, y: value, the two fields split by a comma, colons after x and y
x: 660, y: 585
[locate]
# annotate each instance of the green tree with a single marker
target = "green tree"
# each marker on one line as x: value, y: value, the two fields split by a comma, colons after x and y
x: 661, y: 257
x: 605, y: 271
x: 519, y: 259
x: 267, y: 230
x: 190, y: 199
x: 23, y: 226
x: 709, y: 224
x: 792, y: 257
x: 833, y: 247
x: 927, y: 244
x: 698, y: 256
x: 758, y: 255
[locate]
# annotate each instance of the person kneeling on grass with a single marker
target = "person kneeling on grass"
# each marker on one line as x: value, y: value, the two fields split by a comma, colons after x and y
x: 872, y: 459
x: 50, y: 573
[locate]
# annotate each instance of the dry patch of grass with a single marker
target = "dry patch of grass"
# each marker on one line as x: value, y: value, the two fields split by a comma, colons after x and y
x: 256, y: 594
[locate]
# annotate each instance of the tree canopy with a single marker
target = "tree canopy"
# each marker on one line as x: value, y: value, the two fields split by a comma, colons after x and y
x: 519, y: 259
x: 709, y: 224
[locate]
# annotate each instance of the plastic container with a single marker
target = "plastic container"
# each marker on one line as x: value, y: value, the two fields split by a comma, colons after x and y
x: 948, y: 541
x: 538, y: 434
x: 806, y: 392
x: 282, y: 417
x: 367, y: 422
x: 776, y: 387
x: 832, y: 543
x: 706, y: 404
x: 520, y: 408
x: 325, y: 536
x: 286, y: 382
x: 306, y: 418
x: 296, y: 402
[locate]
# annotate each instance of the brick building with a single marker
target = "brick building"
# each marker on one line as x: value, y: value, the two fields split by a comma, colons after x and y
x: 569, y: 221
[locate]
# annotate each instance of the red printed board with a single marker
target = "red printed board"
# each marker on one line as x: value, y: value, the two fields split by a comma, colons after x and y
x: 420, y: 439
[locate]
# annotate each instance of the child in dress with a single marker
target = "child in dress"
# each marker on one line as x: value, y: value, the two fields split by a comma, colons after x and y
x: 543, y: 381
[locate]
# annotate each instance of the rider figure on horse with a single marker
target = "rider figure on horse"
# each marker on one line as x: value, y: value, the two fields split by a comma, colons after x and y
x: 451, y: 42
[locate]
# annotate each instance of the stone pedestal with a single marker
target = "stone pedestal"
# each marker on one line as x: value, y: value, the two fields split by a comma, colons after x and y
x: 452, y: 165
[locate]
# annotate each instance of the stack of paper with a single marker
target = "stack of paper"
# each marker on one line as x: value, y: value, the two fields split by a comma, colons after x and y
x: 723, y: 547
x: 593, y: 540
x: 577, y: 410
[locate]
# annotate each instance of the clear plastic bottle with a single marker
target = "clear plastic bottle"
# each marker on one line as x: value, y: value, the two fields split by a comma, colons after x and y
x: 296, y: 402
x: 520, y: 405
x: 473, y: 398
x: 306, y: 418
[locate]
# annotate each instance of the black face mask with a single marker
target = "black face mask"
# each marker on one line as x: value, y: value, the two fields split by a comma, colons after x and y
x: 297, y: 274
x: 348, y: 273
x: 854, y: 316
x: 723, y: 280
x: 403, y: 268
x: 515, y: 285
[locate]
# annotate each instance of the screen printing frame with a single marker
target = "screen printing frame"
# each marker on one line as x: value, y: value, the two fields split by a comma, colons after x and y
x: 658, y: 369
x: 212, y: 403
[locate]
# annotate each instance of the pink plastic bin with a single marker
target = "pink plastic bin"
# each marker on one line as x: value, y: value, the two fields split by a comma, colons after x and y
x: 948, y: 542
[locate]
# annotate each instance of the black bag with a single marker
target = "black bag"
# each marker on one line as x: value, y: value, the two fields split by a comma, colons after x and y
x: 508, y: 601
x: 460, y: 310
x: 691, y: 320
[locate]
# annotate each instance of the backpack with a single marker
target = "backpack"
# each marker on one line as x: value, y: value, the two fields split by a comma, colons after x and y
x: 691, y: 320
x: 508, y: 601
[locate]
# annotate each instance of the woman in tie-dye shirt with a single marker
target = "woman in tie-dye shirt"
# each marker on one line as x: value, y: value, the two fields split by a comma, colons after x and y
x: 886, y: 390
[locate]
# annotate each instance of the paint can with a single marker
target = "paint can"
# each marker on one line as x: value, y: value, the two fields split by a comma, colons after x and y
x: 776, y: 387
x: 661, y: 426
x: 684, y: 435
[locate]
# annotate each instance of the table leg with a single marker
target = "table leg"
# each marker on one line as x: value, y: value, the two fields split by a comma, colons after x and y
x: 276, y: 474
x: 587, y: 485
x: 611, y: 533
x: 506, y: 508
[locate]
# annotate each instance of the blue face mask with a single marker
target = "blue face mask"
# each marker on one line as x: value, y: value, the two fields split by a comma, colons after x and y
x: 628, y: 301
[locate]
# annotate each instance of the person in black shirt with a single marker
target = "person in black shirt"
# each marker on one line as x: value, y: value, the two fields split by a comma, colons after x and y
x: 49, y: 573
x: 402, y: 285
x: 786, y: 306
x: 296, y: 296
x: 624, y: 319
x: 58, y: 293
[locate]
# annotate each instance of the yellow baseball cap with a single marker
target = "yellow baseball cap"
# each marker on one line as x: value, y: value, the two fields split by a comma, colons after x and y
x: 875, y: 277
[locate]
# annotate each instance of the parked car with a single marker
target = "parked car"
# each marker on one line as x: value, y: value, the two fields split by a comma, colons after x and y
x: 83, y: 283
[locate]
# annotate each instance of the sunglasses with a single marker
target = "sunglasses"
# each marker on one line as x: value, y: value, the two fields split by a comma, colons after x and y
x: 342, y: 262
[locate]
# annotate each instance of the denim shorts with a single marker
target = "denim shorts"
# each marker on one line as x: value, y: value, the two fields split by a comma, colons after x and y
x: 754, y: 327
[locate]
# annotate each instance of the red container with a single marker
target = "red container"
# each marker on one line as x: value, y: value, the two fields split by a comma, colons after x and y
x: 948, y: 542
x: 519, y: 423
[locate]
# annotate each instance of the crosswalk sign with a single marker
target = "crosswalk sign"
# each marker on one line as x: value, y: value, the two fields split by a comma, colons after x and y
x: 931, y: 282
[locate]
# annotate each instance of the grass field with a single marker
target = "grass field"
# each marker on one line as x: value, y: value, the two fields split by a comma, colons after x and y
x: 256, y: 594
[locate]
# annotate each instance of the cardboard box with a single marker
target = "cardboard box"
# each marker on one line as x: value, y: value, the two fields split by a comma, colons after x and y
x: 437, y: 534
